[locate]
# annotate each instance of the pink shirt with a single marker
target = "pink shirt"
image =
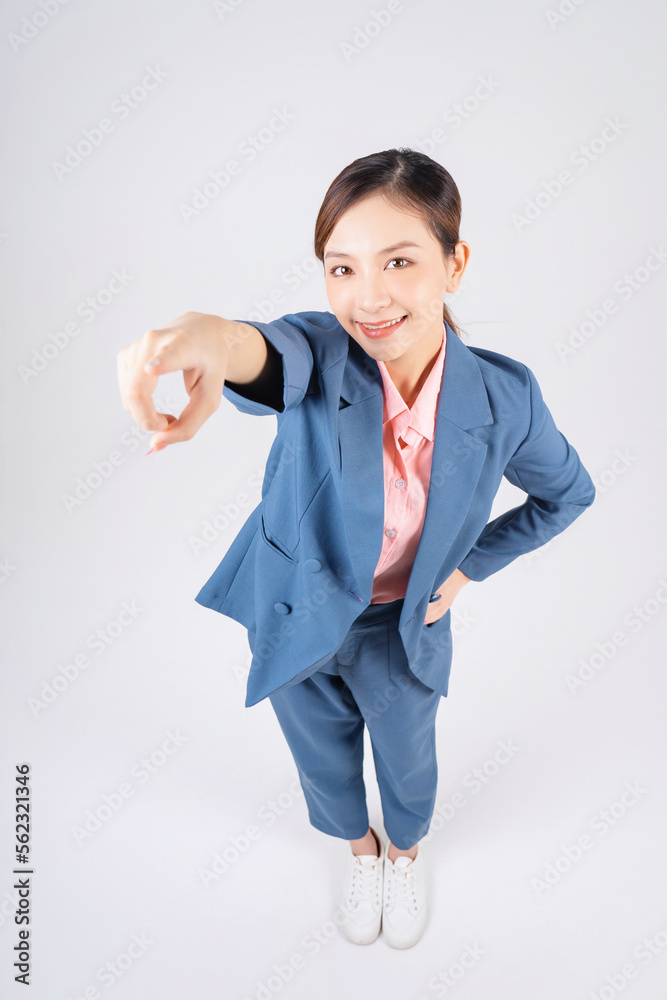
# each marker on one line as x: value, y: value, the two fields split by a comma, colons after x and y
x: 408, y: 453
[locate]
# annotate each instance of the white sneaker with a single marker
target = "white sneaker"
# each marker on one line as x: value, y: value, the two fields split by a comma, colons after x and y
x: 361, y: 900
x: 404, y: 908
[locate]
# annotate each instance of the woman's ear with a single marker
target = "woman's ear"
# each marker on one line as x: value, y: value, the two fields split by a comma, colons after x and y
x: 458, y: 264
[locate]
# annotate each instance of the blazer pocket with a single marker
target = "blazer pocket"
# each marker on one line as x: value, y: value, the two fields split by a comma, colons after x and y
x: 273, y: 544
x: 446, y: 617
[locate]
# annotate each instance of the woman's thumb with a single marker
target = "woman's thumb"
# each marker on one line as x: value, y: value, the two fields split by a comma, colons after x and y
x: 160, y: 439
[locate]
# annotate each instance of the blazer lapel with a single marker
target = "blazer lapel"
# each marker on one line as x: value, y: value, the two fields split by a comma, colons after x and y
x: 361, y: 463
x: 458, y: 457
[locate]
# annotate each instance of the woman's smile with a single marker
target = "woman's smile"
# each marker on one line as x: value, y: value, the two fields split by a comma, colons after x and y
x: 376, y: 330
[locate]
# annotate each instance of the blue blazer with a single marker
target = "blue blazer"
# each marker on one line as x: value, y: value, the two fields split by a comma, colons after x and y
x: 301, y: 568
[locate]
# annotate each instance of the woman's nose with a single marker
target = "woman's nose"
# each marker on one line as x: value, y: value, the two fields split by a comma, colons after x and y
x: 372, y: 296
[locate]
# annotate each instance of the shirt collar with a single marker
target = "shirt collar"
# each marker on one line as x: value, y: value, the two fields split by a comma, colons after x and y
x: 421, y: 418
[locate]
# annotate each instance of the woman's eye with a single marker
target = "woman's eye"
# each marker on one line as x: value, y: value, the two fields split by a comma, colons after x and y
x: 403, y: 259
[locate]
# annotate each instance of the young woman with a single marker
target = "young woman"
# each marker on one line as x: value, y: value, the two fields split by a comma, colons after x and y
x: 393, y: 437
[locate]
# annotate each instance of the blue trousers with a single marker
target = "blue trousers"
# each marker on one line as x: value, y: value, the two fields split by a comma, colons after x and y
x: 367, y: 682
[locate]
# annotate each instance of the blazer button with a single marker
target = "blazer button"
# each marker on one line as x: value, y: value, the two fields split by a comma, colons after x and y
x: 312, y: 565
x: 282, y: 609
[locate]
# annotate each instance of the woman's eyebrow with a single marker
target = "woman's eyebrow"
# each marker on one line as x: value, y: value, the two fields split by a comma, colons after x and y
x: 395, y: 246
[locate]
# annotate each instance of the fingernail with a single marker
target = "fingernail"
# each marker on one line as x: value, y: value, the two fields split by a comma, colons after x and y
x: 153, y: 361
x: 150, y: 450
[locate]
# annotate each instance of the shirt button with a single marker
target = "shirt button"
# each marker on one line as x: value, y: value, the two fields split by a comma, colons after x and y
x: 390, y: 532
x: 400, y: 483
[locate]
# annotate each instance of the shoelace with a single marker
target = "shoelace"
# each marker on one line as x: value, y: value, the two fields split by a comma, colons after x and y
x: 401, y: 888
x: 365, y: 883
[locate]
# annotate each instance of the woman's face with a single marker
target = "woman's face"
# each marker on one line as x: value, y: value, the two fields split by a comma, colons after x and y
x: 371, y: 279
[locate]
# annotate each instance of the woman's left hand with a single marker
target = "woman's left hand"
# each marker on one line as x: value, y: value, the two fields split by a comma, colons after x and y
x: 448, y: 592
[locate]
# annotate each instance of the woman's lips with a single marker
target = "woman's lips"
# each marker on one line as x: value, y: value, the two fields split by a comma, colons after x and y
x: 384, y: 332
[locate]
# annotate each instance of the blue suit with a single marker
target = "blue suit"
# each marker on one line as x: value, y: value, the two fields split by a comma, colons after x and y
x: 300, y: 571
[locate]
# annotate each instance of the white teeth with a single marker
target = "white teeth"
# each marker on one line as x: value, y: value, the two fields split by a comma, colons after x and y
x: 392, y: 322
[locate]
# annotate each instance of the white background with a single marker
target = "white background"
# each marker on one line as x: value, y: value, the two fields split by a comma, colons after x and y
x: 175, y: 667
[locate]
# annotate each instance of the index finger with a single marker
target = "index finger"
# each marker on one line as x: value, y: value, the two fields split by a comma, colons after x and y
x: 137, y: 384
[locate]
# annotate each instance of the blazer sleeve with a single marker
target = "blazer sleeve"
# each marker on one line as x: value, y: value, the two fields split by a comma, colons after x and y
x: 549, y: 470
x: 289, y: 375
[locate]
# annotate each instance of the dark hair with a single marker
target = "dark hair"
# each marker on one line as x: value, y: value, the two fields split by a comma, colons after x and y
x: 410, y: 180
